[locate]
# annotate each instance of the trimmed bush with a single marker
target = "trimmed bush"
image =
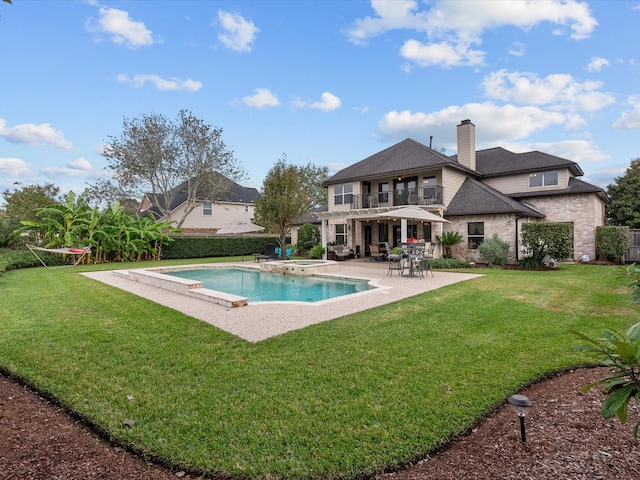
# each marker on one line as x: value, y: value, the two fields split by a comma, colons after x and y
x: 15, y: 259
x: 202, y: 247
x: 494, y: 251
x: 555, y: 240
x: 530, y: 263
x: 446, y: 263
x: 317, y: 251
x: 612, y: 243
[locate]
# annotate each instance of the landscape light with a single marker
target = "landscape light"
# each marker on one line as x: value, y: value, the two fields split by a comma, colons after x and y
x: 521, y: 406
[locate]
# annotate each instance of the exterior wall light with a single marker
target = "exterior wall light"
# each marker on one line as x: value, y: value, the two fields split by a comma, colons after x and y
x: 521, y: 406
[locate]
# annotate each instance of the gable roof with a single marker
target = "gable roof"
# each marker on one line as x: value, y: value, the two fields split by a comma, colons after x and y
x: 477, y: 198
x: 401, y: 158
x: 235, y: 194
x: 499, y: 161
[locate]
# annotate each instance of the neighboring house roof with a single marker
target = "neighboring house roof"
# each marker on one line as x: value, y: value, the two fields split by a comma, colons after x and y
x: 477, y: 198
x: 235, y: 194
x: 403, y: 157
x: 498, y: 161
x: 311, y: 217
x: 575, y: 186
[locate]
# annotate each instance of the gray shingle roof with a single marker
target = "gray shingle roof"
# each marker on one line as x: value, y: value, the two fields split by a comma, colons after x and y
x: 477, y: 198
x: 575, y: 186
x: 311, y: 217
x: 406, y: 156
x: 235, y: 194
x: 498, y: 161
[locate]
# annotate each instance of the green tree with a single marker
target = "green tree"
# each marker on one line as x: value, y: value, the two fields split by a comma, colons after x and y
x: 282, y: 200
x: 165, y: 158
x: 22, y: 203
x: 624, y: 207
x: 312, y: 178
x: 308, y: 237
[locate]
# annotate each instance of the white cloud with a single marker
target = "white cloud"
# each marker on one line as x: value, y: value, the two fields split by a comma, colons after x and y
x: 496, y: 124
x: 35, y: 135
x: 389, y: 16
x: 558, y: 91
x: 597, y: 63
x: 262, y: 98
x: 452, y: 27
x: 630, y: 119
x: 79, y: 168
x: 238, y: 34
x: 328, y: 103
x: 444, y: 54
x: 580, y: 151
x: 122, y: 29
x: 139, y: 80
x: 14, y: 167
x: 516, y: 49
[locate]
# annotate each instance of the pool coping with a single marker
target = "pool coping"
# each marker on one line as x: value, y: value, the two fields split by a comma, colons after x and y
x: 260, y: 321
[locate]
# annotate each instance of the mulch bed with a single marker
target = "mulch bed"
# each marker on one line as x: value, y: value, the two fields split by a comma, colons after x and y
x: 566, y: 439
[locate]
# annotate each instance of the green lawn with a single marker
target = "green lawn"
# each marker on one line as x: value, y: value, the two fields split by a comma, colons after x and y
x: 349, y: 397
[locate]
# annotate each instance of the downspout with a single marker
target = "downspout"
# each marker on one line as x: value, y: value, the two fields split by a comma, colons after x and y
x: 518, y: 217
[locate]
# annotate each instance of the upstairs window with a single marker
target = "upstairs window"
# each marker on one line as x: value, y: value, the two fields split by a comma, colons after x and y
x: 543, y: 179
x: 343, y: 194
x: 207, y: 209
x: 475, y: 234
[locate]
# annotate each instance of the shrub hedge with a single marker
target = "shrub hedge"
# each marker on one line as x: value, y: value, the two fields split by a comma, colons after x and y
x: 201, y: 247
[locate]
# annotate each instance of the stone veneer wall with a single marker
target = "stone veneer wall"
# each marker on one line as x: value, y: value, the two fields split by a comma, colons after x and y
x: 503, y: 225
x: 586, y: 212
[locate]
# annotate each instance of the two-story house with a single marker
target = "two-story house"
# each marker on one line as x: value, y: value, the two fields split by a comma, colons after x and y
x: 235, y: 204
x: 479, y: 192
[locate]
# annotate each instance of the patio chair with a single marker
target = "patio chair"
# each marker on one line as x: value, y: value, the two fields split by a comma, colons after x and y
x: 269, y: 253
x: 396, y: 261
x: 376, y: 254
x: 425, y: 262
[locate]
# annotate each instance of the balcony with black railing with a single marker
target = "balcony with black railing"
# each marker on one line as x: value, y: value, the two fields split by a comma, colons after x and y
x: 431, y: 195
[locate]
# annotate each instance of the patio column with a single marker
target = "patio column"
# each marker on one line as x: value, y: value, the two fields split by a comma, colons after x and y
x: 403, y: 230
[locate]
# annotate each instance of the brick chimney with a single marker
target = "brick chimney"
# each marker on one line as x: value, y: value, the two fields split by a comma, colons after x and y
x: 467, y: 144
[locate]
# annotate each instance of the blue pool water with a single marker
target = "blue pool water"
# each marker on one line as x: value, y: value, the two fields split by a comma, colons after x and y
x: 269, y: 287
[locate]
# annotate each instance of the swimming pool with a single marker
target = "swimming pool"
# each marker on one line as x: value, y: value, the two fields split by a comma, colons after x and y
x: 260, y: 286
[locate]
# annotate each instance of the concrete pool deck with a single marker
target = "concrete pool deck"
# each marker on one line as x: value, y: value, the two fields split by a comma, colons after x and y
x: 259, y: 321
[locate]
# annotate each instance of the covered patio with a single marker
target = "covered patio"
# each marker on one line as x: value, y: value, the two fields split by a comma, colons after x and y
x: 393, y: 225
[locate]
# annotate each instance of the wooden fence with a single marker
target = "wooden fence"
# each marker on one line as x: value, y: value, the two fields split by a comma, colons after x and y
x: 634, y: 246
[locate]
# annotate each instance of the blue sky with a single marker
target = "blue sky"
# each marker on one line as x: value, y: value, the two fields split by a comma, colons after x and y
x: 327, y: 81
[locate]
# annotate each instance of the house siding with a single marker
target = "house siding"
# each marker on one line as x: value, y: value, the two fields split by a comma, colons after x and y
x: 520, y: 183
x: 452, y: 180
x: 222, y: 214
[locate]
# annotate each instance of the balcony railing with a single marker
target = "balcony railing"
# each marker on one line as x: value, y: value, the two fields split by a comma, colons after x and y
x: 423, y: 196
